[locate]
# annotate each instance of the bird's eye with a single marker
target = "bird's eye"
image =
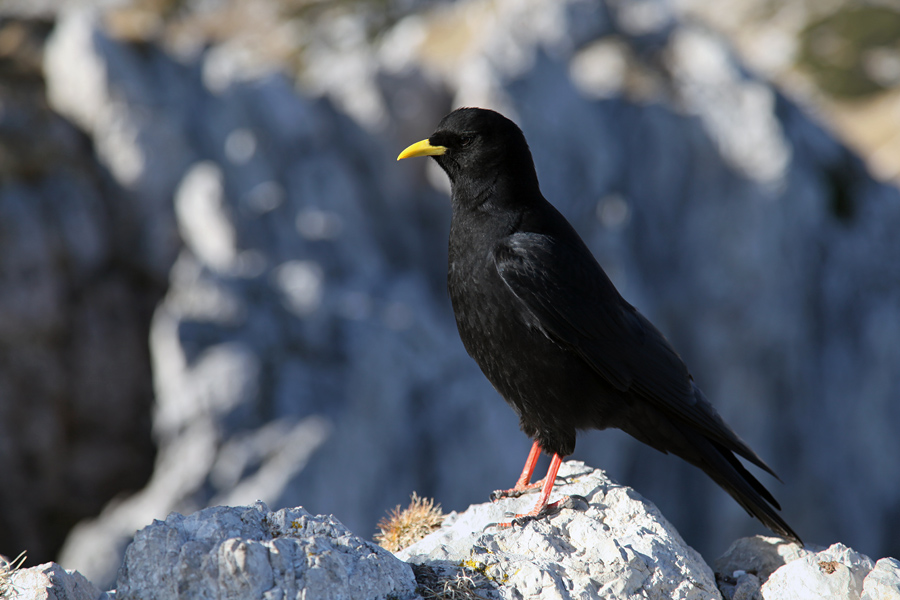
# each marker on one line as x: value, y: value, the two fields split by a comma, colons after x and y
x: 466, y: 140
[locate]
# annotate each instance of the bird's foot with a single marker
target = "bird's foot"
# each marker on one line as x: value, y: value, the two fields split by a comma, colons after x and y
x: 515, y: 492
x: 573, y: 502
x: 545, y: 513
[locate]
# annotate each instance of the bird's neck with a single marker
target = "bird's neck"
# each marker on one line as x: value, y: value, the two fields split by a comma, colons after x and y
x: 484, y: 214
x: 491, y: 197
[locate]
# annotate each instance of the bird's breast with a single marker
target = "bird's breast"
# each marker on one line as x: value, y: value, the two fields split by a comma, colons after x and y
x: 497, y: 331
x: 481, y: 304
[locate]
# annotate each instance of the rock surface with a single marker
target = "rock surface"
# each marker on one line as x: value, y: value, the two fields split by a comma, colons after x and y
x: 837, y: 572
x: 616, y: 546
x: 883, y: 582
x: 605, y: 541
x: 243, y: 553
x: 762, y: 568
x: 760, y: 555
x: 51, y: 582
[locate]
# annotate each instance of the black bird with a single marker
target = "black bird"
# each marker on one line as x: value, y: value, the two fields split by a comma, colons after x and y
x: 551, y: 332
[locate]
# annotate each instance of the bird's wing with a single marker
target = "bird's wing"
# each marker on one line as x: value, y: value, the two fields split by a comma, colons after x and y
x: 565, y: 294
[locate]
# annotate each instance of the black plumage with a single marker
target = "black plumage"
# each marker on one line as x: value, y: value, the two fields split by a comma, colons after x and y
x: 551, y: 332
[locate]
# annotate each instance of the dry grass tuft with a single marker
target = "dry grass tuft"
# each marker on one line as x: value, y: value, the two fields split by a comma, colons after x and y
x: 461, y: 587
x: 402, y: 528
x: 7, y: 568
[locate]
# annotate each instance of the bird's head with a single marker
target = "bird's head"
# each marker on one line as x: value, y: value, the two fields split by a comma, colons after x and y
x: 478, y: 148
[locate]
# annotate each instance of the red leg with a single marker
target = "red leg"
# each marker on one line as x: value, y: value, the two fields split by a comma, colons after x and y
x: 528, y: 469
x: 543, y: 507
x: 549, y: 480
x: 524, y: 484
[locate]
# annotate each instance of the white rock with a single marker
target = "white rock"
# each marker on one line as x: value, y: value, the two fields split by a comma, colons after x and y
x: 837, y: 573
x: 250, y: 552
x: 51, y: 582
x: 883, y: 582
x: 759, y: 554
x: 620, y: 546
x: 749, y: 561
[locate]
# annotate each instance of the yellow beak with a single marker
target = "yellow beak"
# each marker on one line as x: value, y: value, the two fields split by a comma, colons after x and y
x: 423, y: 148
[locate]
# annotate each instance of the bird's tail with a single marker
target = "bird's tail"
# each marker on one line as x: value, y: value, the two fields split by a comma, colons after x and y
x: 727, y: 471
x: 717, y: 460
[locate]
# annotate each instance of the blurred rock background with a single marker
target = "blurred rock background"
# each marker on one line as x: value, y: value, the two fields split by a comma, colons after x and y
x: 219, y: 286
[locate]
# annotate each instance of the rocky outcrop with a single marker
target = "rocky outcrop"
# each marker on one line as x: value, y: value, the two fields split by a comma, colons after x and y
x: 610, y: 543
x: 250, y: 552
x: 770, y: 569
x: 48, y: 582
x: 605, y: 541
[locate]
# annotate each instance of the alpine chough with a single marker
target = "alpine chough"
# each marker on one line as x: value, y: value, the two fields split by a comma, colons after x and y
x: 551, y: 332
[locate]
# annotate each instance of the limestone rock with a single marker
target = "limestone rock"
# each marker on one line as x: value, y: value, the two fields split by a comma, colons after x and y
x: 883, y: 582
x: 789, y: 571
x: 243, y: 553
x: 51, y: 582
x: 618, y: 545
x: 837, y: 573
x: 758, y: 556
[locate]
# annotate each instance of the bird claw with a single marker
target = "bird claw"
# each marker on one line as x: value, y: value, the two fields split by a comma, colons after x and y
x: 545, y: 513
x: 523, y: 520
x: 573, y: 502
x: 519, y: 490
x: 510, y: 493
